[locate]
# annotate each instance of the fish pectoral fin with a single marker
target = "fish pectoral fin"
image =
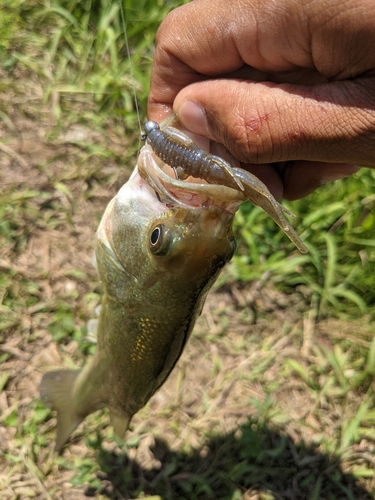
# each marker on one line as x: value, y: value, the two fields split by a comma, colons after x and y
x: 56, y: 391
x: 120, y: 423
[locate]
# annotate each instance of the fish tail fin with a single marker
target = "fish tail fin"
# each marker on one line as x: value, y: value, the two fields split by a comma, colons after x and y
x: 120, y: 423
x: 56, y: 391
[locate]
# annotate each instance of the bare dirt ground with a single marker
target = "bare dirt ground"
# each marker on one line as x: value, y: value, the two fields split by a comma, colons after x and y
x: 233, y: 421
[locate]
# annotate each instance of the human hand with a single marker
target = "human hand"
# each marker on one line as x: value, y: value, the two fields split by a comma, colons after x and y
x: 288, y: 86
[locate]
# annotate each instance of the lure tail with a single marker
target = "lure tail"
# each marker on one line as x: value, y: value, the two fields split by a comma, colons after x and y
x: 56, y: 391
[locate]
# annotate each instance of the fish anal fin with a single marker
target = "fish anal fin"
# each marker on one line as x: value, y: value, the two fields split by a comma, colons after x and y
x: 120, y: 423
x: 56, y: 391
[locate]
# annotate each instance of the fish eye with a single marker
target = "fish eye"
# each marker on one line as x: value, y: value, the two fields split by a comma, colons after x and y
x: 155, y: 236
x: 159, y: 240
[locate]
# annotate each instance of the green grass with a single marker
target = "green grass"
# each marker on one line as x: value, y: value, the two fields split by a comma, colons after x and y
x: 273, y: 397
x: 338, y: 270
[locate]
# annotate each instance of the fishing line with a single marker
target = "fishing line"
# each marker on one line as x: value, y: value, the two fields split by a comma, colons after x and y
x: 130, y: 66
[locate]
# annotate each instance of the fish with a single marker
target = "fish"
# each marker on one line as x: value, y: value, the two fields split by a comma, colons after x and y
x: 160, y: 246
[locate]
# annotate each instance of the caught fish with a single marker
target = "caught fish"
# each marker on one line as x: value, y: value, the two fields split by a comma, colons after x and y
x: 160, y: 246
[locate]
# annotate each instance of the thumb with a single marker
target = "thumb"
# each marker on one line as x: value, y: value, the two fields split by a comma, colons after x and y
x: 263, y: 122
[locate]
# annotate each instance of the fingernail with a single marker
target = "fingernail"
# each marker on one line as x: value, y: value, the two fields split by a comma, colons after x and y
x: 345, y: 171
x: 193, y: 117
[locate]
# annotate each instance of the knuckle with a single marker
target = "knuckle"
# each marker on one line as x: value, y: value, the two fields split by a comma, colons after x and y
x: 165, y: 28
x: 169, y: 30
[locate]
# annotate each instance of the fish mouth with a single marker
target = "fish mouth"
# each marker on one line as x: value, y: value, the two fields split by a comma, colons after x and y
x: 189, y: 193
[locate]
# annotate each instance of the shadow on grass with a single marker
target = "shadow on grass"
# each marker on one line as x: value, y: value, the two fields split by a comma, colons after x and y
x: 253, y: 457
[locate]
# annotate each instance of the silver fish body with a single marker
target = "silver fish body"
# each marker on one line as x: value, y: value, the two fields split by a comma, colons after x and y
x: 156, y: 260
x: 160, y: 246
